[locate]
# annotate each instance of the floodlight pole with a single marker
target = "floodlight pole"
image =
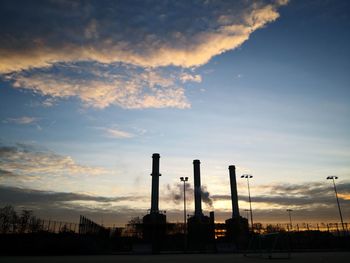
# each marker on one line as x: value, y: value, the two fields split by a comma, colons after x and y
x: 247, y: 176
x: 336, y: 196
x: 184, y: 180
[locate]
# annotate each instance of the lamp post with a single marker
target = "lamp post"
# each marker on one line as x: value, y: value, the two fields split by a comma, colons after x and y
x: 184, y: 180
x: 248, y: 176
x: 290, y: 217
x: 333, y: 178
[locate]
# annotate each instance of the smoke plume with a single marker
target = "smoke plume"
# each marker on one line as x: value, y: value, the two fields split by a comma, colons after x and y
x: 175, y: 194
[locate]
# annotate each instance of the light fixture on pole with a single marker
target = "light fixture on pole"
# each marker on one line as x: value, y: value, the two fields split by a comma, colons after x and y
x: 290, y: 217
x: 333, y: 178
x: 184, y: 180
x: 249, y: 176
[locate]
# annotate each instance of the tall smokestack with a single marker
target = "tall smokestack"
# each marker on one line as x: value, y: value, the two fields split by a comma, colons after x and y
x: 155, y: 183
x: 234, y: 197
x: 197, y: 188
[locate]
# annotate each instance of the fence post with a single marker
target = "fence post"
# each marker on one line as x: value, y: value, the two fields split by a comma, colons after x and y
x: 336, y: 225
x: 346, y: 228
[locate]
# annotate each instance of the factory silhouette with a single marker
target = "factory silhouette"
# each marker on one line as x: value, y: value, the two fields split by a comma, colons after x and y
x: 200, y: 230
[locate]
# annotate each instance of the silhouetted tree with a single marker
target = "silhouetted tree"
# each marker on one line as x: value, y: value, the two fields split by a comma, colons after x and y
x: 8, y: 219
x: 65, y: 229
x: 134, y: 227
x: 274, y: 229
x: 258, y: 227
x: 24, y: 220
x: 34, y: 224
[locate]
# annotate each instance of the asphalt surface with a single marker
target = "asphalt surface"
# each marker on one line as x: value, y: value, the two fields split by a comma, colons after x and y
x: 314, y: 257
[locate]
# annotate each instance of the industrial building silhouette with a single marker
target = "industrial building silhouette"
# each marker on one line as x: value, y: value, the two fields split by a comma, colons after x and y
x: 201, y: 228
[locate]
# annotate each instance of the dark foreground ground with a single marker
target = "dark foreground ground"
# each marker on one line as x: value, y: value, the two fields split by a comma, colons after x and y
x: 314, y: 257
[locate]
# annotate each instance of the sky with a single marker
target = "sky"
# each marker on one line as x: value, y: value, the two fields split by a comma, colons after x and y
x: 89, y: 90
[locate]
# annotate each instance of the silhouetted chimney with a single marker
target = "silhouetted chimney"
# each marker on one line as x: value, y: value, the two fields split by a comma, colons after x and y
x: 155, y: 183
x: 197, y: 188
x: 212, y: 217
x: 234, y: 197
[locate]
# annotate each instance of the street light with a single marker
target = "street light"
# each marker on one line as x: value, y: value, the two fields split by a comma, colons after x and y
x: 333, y: 178
x: 184, y: 180
x: 248, y: 176
x: 290, y: 218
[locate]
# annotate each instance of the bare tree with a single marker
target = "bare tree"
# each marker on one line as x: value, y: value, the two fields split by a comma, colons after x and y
x: 134, y: 227
x: 8, y: 219
x: 24, y: 220
x: 35, y: 224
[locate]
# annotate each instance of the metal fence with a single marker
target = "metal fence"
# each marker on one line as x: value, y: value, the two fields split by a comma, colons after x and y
x: 87, y: 226
x: 53, y: 226
x: 335, y: 228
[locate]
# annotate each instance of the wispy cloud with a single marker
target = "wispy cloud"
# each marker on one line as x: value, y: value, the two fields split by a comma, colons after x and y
x: 119, y: 134
x: 185, y: 77
x: 16, y: 195
x: 124, y: 36
x: 28, y: 161
x: 22, y: 120
x: 4, y: 173
x: 100, y: 86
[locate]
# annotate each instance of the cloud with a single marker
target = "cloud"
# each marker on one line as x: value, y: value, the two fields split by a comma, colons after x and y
x: 119, y: 134
x: 22, y: 120
x: 100, y: 86
x: 4, y: 173
x: 68, y: 206
x: 29, y: 161
x: 16, y: 195
x: 185, y: 77
x: 49, y: 102
x: 148, y: 36
x: 309, y: 194
x: 345, y: 196
x: 186, y: 34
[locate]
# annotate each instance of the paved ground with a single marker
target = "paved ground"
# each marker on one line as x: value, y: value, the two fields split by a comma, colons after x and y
x: 331, y: 257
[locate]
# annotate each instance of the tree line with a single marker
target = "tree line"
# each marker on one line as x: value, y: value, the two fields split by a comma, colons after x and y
x: 13, y: 222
